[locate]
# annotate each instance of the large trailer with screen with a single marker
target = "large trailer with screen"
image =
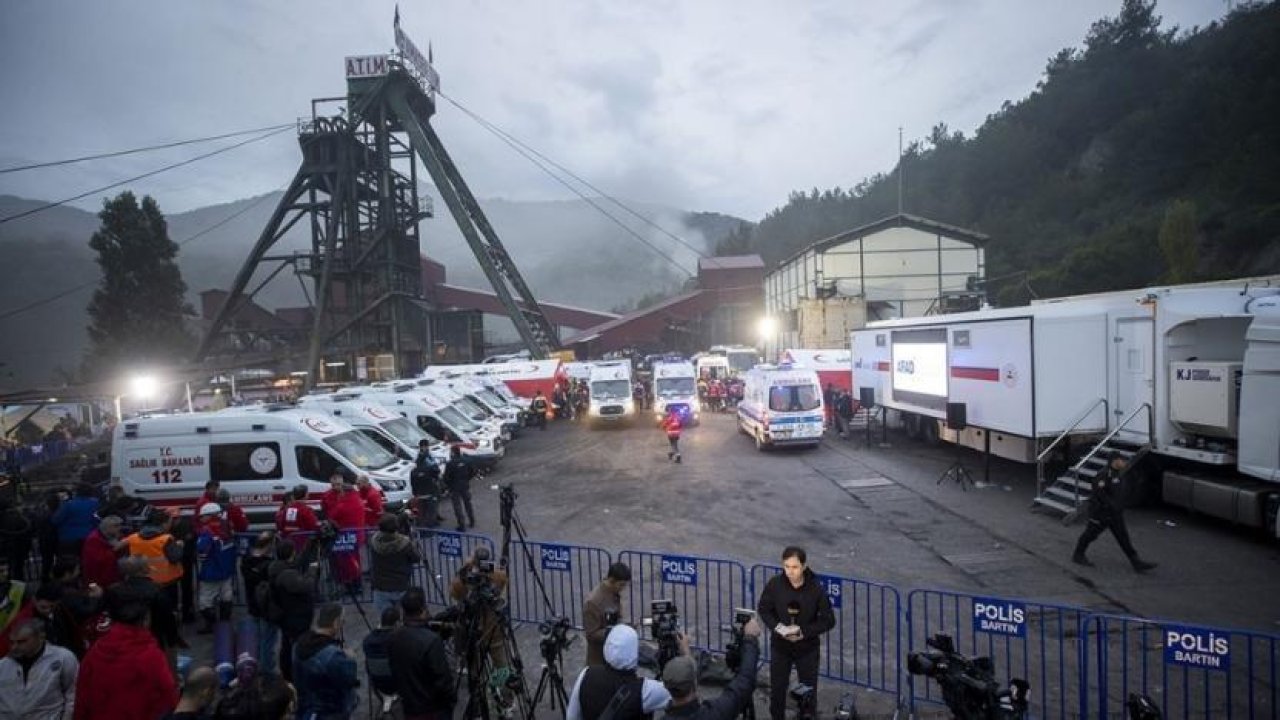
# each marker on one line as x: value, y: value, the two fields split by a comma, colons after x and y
x: 1189, y: 375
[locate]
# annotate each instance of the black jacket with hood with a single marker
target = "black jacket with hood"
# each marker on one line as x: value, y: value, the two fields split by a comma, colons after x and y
x: 814, y: 614
x: 393, y: 556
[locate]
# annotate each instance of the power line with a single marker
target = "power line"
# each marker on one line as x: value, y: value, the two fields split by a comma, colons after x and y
x: 71, y: 291
x: 529, y: 153
x: 166, y: 168
x: 149, y: 148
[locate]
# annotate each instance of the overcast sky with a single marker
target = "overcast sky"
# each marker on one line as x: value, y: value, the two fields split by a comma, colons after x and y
x: 722, y: 105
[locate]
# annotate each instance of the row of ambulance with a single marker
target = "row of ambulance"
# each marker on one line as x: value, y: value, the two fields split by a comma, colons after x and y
x: 260, y: 452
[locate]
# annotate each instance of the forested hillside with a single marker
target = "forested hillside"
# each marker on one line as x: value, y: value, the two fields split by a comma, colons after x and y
x: 1148, y: 155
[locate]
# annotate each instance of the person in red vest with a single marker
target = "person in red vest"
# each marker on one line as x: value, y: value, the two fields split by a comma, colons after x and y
x: 329, y: 500
x: 295, y: 519
x: 234, y: 519
x: 347, y: 517
x: 210, y: 495
x: 371, y: 498
x: 101, y: 553
x: 672, y: 426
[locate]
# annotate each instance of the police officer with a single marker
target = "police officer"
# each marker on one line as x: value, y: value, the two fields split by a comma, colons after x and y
x: 457, y: 477
x: 1106, y: 513
x: 425, y: 483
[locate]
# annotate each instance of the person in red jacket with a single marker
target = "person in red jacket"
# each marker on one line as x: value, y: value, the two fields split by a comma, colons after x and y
x: 210, y: 495
x: 347, y: 516
x: 234, y: 519
x: 372, y: 499
x: 101, y: 552
x: 295, y: 519
x: 329, y: 500
x: 672, y: 426
x: 125, y: 675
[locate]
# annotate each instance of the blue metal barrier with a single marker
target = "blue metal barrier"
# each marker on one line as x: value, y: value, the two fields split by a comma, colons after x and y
x: 26, y: 457
x: 864, y: 647
x: 1189, y: 671
x: 1038, y: 642
x: 705, y: 590
x: 569, y: 573
x: 443, y: 553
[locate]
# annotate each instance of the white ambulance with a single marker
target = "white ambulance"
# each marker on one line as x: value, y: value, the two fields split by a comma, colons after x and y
x: 440, y: 419
x: 676, y: 384
x: 256, y: 454
x: 393, y: 431
x: 610, y: 392
x: 473, y: 388
x: 781, y: 405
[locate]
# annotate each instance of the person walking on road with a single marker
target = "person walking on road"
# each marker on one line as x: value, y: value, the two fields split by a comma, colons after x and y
x: 457, y: 477
x: 672, y: 425
x: 1106, y: 513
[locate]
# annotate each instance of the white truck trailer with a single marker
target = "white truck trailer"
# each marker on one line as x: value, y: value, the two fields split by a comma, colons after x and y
x: 1188, y: 375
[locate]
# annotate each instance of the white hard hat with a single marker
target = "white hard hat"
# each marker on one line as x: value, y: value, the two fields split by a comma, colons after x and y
x: 210, y: 509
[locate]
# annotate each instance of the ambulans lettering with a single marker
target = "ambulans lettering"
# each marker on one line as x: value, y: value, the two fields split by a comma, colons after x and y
x: 1002, y: 617
x: 679, y: 570
x: 1196, y: 647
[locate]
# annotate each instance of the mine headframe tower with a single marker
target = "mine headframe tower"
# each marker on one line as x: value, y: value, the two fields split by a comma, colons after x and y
x: 357, y: 190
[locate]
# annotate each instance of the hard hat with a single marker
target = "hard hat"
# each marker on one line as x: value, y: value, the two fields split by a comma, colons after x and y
x: 210, y: 509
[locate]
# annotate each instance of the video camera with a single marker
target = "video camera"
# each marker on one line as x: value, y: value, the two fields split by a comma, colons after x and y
x: 555, y: 636
x: 968, y: 685
x: 664, y: 628
x: 733, y: 650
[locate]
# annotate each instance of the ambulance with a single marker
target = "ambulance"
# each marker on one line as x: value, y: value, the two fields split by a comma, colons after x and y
x: 257, y: 454
x: 675, y: 384
x: 393, y: 431
x: 781, y: 405
x: 610, y: 393
x: 473, y: 388
x: 481, y: 445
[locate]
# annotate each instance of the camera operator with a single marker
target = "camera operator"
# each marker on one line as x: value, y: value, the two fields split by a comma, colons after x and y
x: 680, y: 677
x: 479, y: 587
x: 603, y: 610
x: 795, y: 606
x: 457, y: 477
x: 597, y: 687
x: 423, y: 679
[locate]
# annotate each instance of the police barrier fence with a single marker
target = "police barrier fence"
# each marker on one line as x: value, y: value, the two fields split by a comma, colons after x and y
x: 568, y: 572
x: 705, y: 591
x: 1038, y: 642
x: 1189, y: 671
x: 864, y: 647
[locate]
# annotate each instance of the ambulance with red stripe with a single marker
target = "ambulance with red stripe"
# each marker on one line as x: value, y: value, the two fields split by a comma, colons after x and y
x: 257, y: 453
x: 781, y: 405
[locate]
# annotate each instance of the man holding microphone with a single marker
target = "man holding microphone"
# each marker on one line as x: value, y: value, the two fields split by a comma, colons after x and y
x: 795, y: 608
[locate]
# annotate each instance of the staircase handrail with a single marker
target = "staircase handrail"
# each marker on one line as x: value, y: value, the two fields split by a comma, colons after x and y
x: 1070, y: 428
x: 1151, y: 432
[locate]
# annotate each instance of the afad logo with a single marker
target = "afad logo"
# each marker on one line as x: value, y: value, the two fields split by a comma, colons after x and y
x: 318, y: 425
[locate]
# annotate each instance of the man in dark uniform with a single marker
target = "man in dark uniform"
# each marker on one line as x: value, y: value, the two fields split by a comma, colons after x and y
x: 1106, y: 513
x: 457, y: 477
x: 794, y: 606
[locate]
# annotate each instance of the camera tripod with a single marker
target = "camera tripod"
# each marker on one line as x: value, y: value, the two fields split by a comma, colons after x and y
x: 958, y: 473
x: 555, y: 631
x: 319, y: 551
x: 494, y: 690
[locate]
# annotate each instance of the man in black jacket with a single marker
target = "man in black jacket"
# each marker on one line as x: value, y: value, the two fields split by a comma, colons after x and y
x: 419, y: 667
x: 457, y: 477
x: 680, y: 677
x: 424, y: 480
x: 292, y: 603
x: 795, y: 607
x: 1106, y: 513
x: 392, y: 555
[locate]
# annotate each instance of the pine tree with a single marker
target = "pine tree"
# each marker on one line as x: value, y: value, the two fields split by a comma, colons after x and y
x: 137, y: 313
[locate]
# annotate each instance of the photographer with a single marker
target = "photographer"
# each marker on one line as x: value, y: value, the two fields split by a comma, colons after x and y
x: 596, y: 687
x: 603, y: 610
x: 795, y: 606
x: 424, y: 681
x: 479, y: 587
x: 680, y: 677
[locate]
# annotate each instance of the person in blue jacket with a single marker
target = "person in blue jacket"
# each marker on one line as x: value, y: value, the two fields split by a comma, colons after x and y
x: 75, y: 519
x: 217, y: 557
x: 323, y: 672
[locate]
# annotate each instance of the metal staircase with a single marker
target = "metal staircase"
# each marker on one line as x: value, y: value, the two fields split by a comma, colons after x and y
x: 1067, y: 494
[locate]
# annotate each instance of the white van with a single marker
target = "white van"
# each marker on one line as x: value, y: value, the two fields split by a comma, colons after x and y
x: 610, y: 392
x: 781, y: 405
x: 393, y: 431
x: 711, y: 366
x: 479, y: 392
x: 256, y: 454
x: 475, y: 411
x: 440, y: 419
x: 676, y: 383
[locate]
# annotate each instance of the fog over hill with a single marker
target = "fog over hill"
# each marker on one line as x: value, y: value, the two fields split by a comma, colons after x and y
x: 567, y: 251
